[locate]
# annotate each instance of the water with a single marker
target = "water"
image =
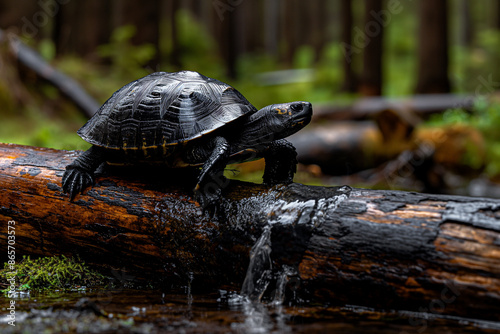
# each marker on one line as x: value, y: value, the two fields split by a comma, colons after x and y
x: 257, y: 279
x: 263, y: 317
x: 221, y: 311
x: 260, y: 272
x: 283, y: 279
x: 260, y: 268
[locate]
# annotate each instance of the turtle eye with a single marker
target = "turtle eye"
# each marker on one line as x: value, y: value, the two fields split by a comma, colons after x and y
x: 155, y: 94
x: 296, y: 107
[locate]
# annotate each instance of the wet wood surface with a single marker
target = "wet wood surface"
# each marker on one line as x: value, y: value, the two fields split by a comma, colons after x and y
x: 376, y: 248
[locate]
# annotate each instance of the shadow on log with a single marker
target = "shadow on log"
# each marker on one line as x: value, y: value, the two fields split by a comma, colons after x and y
x: 377, y: 248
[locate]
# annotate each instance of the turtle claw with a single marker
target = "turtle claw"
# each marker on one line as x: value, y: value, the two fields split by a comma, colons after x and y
x: 207, y: 198
x: 75, y: 180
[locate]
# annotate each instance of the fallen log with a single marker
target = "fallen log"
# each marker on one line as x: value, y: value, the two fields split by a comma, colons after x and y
x: 421, y: 104
x: 376, y: 248
x: 343, y: 147
x: 35, y: 62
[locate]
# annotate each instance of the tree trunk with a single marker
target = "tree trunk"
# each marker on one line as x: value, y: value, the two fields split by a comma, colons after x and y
x: 350, y: 84
x: 290, y: 14
x: 384, y: 249
x: 81, y: 26
x: 371, y: 81
x: 228, y: 32
x: 433, y: 48
x: 24, y: 18
x: 271, y: 24
x: 251, y: 26
x: 466, y: 27
x: 171, y: 7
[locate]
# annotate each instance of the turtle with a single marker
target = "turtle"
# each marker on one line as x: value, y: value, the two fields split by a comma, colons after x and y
x: 181, y: 119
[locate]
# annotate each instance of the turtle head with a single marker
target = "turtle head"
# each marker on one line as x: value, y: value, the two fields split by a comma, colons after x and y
x: 284, y: 119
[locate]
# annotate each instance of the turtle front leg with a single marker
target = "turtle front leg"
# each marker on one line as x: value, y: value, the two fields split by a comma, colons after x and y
x: 211, y: 180
x: 80, y: 173
x: 281, y: 162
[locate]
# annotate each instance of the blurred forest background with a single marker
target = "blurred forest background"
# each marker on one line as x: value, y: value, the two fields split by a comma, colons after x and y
x: 404, y: 92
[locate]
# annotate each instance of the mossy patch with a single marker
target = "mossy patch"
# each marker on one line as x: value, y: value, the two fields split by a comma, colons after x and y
x: 51, y: 273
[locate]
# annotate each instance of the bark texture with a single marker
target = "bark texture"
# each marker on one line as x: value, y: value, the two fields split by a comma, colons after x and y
x: 377, y: 248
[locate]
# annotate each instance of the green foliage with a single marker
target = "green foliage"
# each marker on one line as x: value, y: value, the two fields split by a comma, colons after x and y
x: 99, y: 81
x: 127, y: 59
x: 47, y: 49
x: 304, y: 57
x: 195, y: 48
x: 32, y: 127
x: 52, y: 273
x: 474, y: 68
x: 485, y: 116
x: 326, y: 74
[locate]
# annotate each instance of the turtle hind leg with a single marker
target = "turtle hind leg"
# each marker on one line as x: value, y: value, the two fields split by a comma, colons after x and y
x: 211, y: 179
x: 80, y: 173
x: 281, y: 163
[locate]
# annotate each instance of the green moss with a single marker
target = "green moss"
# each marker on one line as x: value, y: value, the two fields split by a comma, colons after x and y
x: 51, y: 273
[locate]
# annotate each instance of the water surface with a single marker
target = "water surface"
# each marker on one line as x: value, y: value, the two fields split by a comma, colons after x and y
x: 221, y: 311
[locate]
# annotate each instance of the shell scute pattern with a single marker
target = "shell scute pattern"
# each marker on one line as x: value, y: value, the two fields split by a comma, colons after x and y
x: 164, y: 109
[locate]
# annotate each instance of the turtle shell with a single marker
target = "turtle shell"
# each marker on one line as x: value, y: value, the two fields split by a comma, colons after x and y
x: 164, y: 109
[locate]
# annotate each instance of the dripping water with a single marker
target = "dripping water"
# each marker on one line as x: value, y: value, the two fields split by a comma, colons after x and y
x: 188, y: 288
x: 262, y: 317
x: 281, y: 282
x: 260, y: 268
x: 258, y: 318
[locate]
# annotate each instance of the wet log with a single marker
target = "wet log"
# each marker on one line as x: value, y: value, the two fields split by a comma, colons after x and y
x: 377, y: 248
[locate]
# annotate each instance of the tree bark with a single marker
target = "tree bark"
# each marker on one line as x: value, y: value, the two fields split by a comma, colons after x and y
x: 383, y: 249
x: 433, y: 48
